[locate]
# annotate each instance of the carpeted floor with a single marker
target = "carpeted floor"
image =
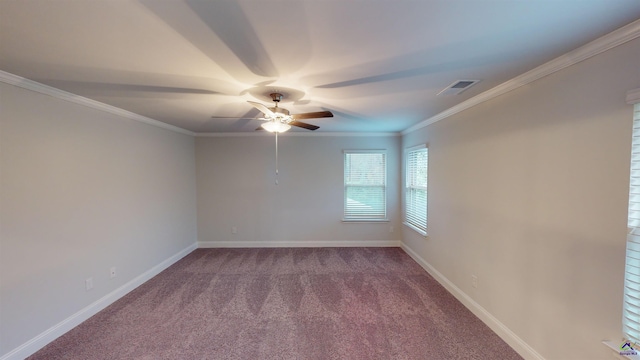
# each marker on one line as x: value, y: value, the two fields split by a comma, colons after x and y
x: 302, y: 303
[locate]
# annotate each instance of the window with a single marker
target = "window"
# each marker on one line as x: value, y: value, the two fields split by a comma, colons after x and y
x: 365, y: 185
x: 415, y: 211
x: 631, y: 306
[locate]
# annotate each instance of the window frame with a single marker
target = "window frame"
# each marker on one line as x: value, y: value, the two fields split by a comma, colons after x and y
x: 409, y: 186
x: 362, y: 219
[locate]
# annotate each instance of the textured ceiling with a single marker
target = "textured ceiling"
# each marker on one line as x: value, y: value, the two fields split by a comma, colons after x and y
x: 377, y: 65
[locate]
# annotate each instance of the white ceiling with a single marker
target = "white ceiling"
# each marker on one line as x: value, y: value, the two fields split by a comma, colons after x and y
x: 377, y: 65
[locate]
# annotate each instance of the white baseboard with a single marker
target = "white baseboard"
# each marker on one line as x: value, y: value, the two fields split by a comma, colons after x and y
x: 38, y: 342
x: 499, y: 328
x: 277, y: 244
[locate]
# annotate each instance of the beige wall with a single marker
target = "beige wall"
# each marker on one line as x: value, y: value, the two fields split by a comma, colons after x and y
x: 236, y: 188
x: 529, y: 193
x: 81, y: 191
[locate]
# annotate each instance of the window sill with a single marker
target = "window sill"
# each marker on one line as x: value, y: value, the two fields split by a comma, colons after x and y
x: 419, y: 231
x: 365, y: 221
x: 615, y: 346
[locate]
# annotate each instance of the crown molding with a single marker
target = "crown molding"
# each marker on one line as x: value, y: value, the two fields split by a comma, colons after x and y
x: 31, y: 85
x: 287, y: 134
x: 598, y: 46
x: 633, y: 96
x: 35, y: 86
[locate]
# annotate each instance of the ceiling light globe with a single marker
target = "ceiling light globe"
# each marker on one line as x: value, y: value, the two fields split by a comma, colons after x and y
x: 275, y: 126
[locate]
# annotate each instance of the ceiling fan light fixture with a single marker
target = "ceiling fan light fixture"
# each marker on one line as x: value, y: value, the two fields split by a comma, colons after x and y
x: 275, y: 126
x: 279, y: 120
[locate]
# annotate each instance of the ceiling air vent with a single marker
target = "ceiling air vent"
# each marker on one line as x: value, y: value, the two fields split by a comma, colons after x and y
x: 458, y: 86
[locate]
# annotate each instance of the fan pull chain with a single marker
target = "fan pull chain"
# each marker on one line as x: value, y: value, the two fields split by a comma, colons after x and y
x: 276, y: 158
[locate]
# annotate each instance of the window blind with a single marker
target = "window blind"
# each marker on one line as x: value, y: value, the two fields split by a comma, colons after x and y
x: 416, y: 188
x: 631, y: 306
x: 365, y: 185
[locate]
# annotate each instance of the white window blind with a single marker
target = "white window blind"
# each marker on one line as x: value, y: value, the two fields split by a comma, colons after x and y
x: 416, y: 188
x: 365, y: 185
x: 631, y: 306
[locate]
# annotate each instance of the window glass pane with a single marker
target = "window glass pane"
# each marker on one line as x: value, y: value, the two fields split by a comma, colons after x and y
x: 416, y: 189
x: 365, y: 185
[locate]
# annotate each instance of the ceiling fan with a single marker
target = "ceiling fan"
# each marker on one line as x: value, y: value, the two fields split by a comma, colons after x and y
x: 279, y: 119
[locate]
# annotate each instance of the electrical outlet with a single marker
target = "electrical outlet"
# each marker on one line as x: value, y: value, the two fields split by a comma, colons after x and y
x: 390, y: 229
x: 474, y: 281
x: 234, y: 230
x: 88, y: 284
x: 112, y: 272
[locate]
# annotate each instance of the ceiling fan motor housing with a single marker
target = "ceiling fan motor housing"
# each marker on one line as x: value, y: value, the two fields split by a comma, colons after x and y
x: 276, y: 97
x: 282, y: 115
x: 279, y: 110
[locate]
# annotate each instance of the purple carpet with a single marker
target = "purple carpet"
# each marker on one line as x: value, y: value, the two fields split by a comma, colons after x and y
x: 302, y: 303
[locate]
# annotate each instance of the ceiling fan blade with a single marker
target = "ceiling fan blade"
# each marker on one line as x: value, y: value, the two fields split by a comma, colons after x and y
x: 260, y: 128
x: 312, y: 115
x: 251, y: 114
x: 235, y: 117
x: 265, y: 110
x: 304, y: 125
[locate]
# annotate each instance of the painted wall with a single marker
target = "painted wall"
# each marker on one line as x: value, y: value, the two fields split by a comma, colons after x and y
x: 529, y: 193
x: 236, y: 188
x: 82, y: 191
